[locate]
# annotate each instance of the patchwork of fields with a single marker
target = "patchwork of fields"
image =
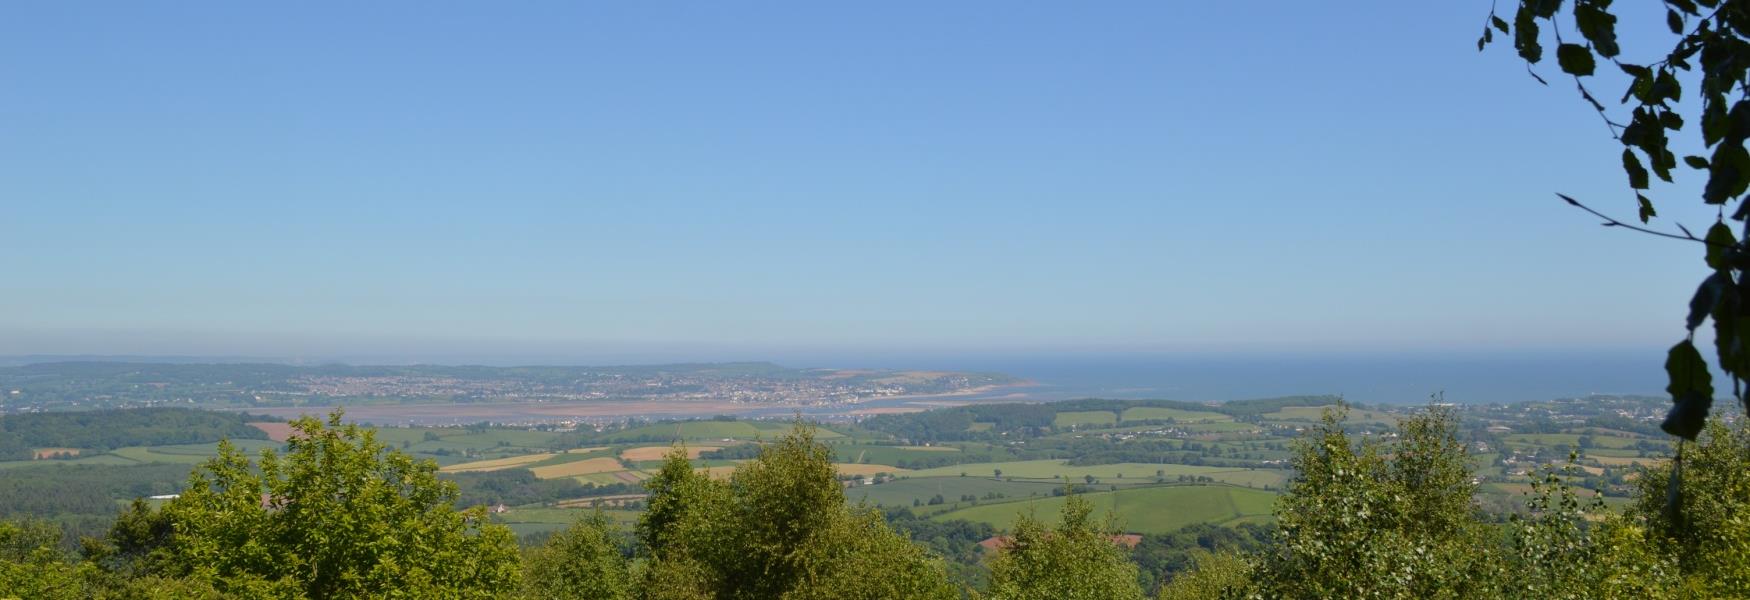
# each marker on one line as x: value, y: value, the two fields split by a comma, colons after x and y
x: 1154, y: 468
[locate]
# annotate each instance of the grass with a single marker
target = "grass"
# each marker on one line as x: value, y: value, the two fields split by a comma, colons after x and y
x: 901, y: 492
x: 1155, y: 413
x: 887, y: 455
x: 866, y: 470
x: 527, y: 520
x: 508, y: 437
x: 1056, y: 469
x: 1314, y: 413
x: 1084, y: 418
x: 1572, y: 440
x: 1158, y: 509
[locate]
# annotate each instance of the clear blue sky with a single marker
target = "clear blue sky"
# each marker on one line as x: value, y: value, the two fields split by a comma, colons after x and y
x: 723, y: 180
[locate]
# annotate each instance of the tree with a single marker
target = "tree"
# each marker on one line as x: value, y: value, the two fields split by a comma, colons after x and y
x: 581, y: 563
x: 1077, y: 560
x: 1357, y: 523
x: 337, y: 516
x: 1570, y: 548
x: 779, y: 528
x: 32, y: 565
x: 1213, y: 576
x: 1712, y: 33
x: 1710, y: 537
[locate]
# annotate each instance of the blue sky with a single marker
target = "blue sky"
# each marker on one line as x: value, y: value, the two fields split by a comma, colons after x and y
x: 714, y: 181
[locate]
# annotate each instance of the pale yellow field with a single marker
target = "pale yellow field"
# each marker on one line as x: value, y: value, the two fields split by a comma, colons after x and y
x: 496, y: 463
x: 661, y: 452
x: 579, y: 467
x: 851, y: 469
x: 717, y: 472
x: 42, y: 453
x: 1618, y: 461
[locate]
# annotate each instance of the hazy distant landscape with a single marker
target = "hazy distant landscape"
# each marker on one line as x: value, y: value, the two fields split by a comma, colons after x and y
x: 432, y: 394
x: 953, y: 478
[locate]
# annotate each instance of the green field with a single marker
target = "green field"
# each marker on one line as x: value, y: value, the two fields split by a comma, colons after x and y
x: 1314, y: 413
x: 1571, y: 440
x: 527, y: 520
x: 901, y: 492
x: 888, y: 455
x: 1152, y: 413
x: 1160, y: 509
x: 1116, y: 473
x: 1084, y: 418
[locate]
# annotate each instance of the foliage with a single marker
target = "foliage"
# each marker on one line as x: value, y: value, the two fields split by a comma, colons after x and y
x: 1224, y: 575
x: 779, y: 528
x: 82, y: 499
x: 1555, y: 553
x: 1711, y: 35
x: 337, y: 516
x: 1077, y: 560
x: 33, y: 566
x: 110, y: 429
x: 1168, y: 555
x: 1357, y: 523
x: 512, y: 487
x: 1711, y: 540
x: 581, y: 563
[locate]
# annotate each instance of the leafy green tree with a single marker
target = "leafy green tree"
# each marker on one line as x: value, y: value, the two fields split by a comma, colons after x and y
x: 581, y: 563
x: 32, y: 564
x: 1357, y: 523
x: 339, y: 515
x: 1212, y: 577
x: 1572, y: 548
x: 1077, y: 560
x: 1710, y: 539
x: 779, y: 528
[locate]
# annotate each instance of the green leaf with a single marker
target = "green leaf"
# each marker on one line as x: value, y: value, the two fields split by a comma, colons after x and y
x: 1707, y: 296
x: 1695, y: 162
x: 1525, y: 35
x: 1647, y: 212
x: 1575, y: 59
x: 1688, y: 417
x: 1719, y: 243
x: 1674, y: 21
x: 1688, y: 372
x: 1499, y: 23
x: 1729, y: 173
x: 1671, y: 120
x: 1637, y: 174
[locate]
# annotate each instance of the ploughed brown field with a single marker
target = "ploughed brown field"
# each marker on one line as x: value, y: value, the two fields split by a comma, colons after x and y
x: 278, y: 432
x: 42, y: 453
